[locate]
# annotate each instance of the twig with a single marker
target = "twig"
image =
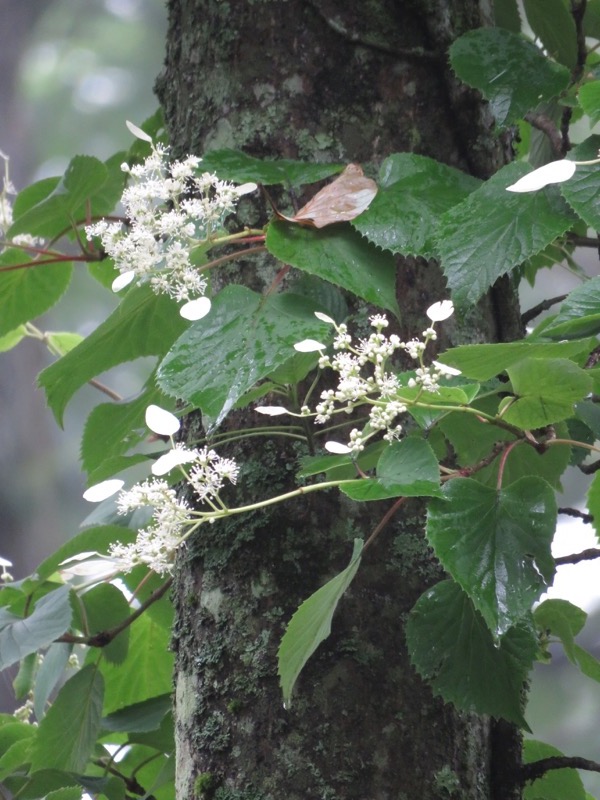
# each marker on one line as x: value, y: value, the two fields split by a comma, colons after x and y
x: 532, y: 313
x: 529, y: 772
x: 105, y: 390
x: 103, y: 638
x: 590, y: 469
x: 575, y: 512
x: 583, y: 241
x: 585, y: 555
x: 547, y: 127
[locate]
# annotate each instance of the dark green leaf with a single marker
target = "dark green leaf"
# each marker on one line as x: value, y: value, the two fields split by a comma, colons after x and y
x: 50, y: 618
x: 593, y: 502
x: 144, y: 324
x: 236, y: 166
x: 25, y: 678
x: 553, y: 24
x: 340, y: 255
x: 506, y: 15
x: 410, y: 466
x: 453, y: 649
x: 509, y: 71
x: 49, y: 674
x: 414, y: 193
x: 591, y: 19
x: 483, y: 361
x: 582, y: 191
x: 589, y: 98
x: 556, y: 784
x: 563, y: 620
x: 139, y: 717
x: 589, y: 413
x: 67, y: 734
x: 496, y: 544
x: 493, y: 231
x: 16, y: 755
x: 28, y: 292
x: 311, y: 624
x: 546, y: 391
x: 243, y: 339
x: 83, y: 178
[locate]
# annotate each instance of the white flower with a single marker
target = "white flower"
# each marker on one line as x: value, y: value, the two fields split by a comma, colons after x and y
x: 338, y: 448
x: 440, y: 311
x: 173, y: 458
x: 308, y: 346
x: 554, y: 172
x: 103, y: 490
x: 195, y: 309
x: 161, y: 422
x: 271, y: 411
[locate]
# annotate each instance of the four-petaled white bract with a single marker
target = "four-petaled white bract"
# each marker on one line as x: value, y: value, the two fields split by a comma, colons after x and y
x: 100, y: 491
x: 554, y: 172
x: 309, y: 346
x: 271, y: 411
x: 440, y: 311
x: 195, y: 309
x: 123, y: 280
x: 138, y: 132
x: 246, y: 188
x: 171, y: 459
x: 338, y: 448
x: 160, y: 421
x: 324, y: 318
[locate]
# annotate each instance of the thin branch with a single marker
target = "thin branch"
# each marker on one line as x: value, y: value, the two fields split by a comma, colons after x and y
x: 575, y: 512
x: 104, y: 638
x: 549, y: 129
x: 545, y: 305
x: 583, y: 241
x: 529, y: 772
x: 105, y: 390
x: 590, y: 469
x: 585, y: 555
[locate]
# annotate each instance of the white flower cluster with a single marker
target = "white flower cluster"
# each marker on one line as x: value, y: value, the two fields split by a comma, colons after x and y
x: 173, y: 519
x: 170, y: 210
x: 377, y: 387
x: 6, y: 211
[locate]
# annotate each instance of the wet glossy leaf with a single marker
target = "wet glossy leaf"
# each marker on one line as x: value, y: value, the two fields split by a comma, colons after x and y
x: 509, y: 71
x: 243, y: 339
x: 234, y: 165
x: 311, y: 624
x: 493, y: 231
x: 452, y: 648
x: 67, y: 734
x: 414, y: 192
x: 496, y: 544
x: 340, y: 255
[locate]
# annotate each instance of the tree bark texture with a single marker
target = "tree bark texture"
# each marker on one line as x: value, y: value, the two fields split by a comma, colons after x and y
x: 324, y: 80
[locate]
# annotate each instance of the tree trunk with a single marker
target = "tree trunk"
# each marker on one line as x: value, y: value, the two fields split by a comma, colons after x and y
x: 324, y: 80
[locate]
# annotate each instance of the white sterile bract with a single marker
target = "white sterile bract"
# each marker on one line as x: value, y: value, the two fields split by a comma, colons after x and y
x: 161, y: 422
x: 365, y: 380
x: 309, y: 346
x: 170, y: 210
x: 554, y: 172
x: 102, y: 491
x: 272, y: 411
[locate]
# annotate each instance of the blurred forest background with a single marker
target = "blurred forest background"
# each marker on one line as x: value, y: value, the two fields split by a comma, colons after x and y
x: 71, y: 73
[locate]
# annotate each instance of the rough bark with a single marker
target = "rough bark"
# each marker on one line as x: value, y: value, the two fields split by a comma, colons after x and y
x: 324, y: 80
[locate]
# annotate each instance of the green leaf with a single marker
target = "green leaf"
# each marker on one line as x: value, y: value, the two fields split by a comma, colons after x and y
x: 593, y: 502
x: 49, y: 674
x: 139, y: 717
x: 496, y: 544
x: 591, y: 19
x: 579, y: 314
x: 509, y: 71
x: 562, y: 619
x: 546, y: 391
x: 483, y: 361
x: 493, y: 231
x: 236, y: 166
x: 556, y: 784
x: 587, y: 663
x: 410, y: 466
x: 453, y: 649
x: 147, y: 670
x: 582, y: 191
x: 589, y: 99
x: 28, y: 292
x: 506, y: 15
x: 93, y: 539
x: 311, y: 624
x: 113, y: 428
x: 25, y: 678
x: 105, y: 608
x: 414, y: 192
x: 66, y: 793
x: 144, y: 324
x: 16, y: 755
x: 242, y: 340
x: 340, y: 255
x: 553, y: 24
x: 62, y: 342
x: 50, y: 618
x: 12, y: 339
x: 67, y: 734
